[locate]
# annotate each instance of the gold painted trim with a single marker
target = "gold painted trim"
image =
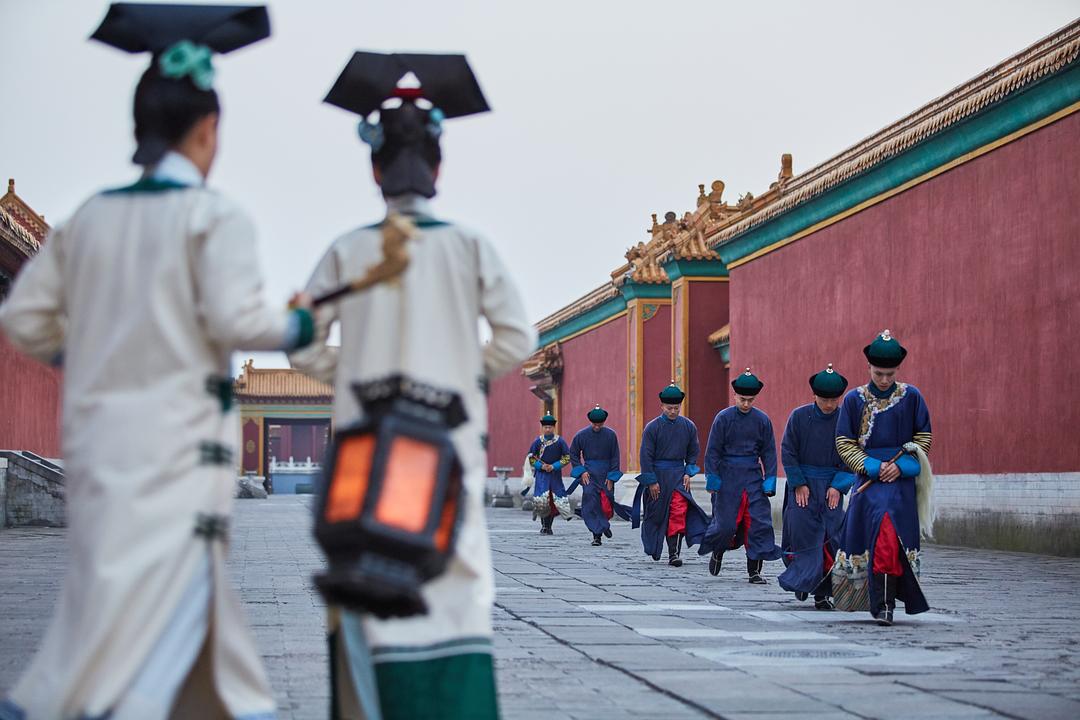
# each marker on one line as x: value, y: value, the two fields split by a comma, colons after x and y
x: 276, y: 413
x: 686, y: 349
x: 978, y: 152
x: 260, y: 432
x: 592, y: 327
x: 635, y: 344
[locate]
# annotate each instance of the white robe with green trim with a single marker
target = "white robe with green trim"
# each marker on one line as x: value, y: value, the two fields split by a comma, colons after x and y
x: 145, y: 295
x: 426, y: 326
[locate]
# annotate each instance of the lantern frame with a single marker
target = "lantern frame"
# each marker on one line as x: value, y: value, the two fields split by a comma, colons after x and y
x: 376, y: 566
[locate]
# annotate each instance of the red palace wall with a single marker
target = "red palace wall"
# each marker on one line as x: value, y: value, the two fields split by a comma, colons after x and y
x: 708, y: 376
x: 29, y: 404
x: 513, y: 421
x: 657, y: 372
x: 976, y: 271
x: 594, y: 371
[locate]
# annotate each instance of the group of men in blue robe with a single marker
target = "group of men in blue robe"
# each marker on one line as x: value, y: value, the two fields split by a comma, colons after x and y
x: 874, y: 437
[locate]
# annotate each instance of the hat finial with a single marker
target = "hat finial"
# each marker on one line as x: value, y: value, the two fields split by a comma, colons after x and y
x: 747, y: 372
x: 829, y: 368
x: 886, y: 335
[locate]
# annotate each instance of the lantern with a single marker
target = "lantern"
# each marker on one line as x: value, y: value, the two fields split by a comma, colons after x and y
x: 390, y: 499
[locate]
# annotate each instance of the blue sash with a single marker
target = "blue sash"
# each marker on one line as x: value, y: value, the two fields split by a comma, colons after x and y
x: 740, y: 460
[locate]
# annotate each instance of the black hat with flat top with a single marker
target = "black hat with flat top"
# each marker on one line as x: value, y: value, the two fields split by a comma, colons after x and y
x: 150, y: 27
x: 413, y: 93
x: 177, y: 89
x: 370, y: 79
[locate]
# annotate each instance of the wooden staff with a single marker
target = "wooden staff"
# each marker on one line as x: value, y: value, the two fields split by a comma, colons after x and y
x: 396, y: 231
x: 869, y: 482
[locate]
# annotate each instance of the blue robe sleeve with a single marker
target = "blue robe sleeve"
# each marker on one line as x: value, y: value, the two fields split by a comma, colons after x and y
x: 693, y: 447
x: 533, y: 458
x: 789, y: 453
x: 564, y: 455
x: 922, y: 436
x: 842, y: 481
x: 614, y: 473
x: 847, y: 438
x: 714, y: 450
x: 768, y: 457
x: 646, y: 456
x: 578, y: 468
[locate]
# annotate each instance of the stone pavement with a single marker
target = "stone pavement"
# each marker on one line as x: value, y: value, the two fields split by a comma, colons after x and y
x: 584, y: 632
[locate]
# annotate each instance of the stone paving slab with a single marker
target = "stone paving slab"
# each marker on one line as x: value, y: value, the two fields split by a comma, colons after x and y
x: 604, y: 632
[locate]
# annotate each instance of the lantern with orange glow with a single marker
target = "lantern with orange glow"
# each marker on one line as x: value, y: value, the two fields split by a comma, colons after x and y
x: 390, y: 500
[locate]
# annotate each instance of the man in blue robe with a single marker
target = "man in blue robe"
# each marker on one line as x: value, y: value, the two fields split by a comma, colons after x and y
x: 669, y: 450
x: 813, y: 496
x: 881, y: 529
x: 740, y: 474
x: 594, y: 454
x: 548, y: 455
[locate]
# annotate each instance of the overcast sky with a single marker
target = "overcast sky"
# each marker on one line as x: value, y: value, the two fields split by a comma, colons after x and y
x: 604, y: 112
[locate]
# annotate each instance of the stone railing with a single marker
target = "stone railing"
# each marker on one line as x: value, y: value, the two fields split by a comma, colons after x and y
x: 292, y: 466
x: 31, y: 490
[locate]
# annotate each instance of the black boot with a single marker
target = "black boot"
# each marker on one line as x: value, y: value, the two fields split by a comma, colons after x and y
x: 607, y: 532
x: 885, y: 609
x: 753, y: 570
x: 715, y: 560
x: 674, y: 545
x: 596, y: 540
x: 546, y: 523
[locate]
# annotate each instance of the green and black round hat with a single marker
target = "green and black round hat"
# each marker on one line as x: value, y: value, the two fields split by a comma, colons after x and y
x: 548, y: 419
x: 828, y: 383
x: 747, y: 384
x: 597, y: 415
x: 886, y: 351
x: 672, y: 395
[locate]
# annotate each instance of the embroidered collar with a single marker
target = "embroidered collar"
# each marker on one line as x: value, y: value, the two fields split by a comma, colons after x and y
x: 874, y: 405
x: 880, y: 394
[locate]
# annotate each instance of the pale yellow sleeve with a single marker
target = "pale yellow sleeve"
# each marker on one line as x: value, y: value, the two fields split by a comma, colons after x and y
x: 232, y: 299
x: 34, y: 316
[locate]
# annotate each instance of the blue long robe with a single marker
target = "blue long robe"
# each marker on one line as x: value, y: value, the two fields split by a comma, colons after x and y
x: 669, y: 450
x: 871, y: 428
x: 597, y: 452
x: 555, y: 452
x: 740, y: 467
x: 808, y: 452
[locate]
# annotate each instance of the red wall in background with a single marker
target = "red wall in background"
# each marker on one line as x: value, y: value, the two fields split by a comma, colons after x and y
x: 976, y: 271
x: 657, y: 372
x: 594, y: 371
x: 709, y: 389
x: 29, y: 404
x: 513, y: 421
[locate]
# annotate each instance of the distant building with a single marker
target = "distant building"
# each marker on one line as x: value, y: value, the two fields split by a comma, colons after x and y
x: 285, y: 424
x: 957, y: 227
x: 29, y: 391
